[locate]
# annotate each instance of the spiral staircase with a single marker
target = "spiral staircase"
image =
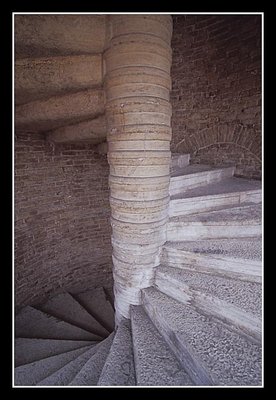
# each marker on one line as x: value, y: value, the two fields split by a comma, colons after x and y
x: 200, y: 324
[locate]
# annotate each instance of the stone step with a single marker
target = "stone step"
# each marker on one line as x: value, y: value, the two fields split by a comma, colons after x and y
x: 207, y: 350
x: 28, y: 350
x: 54, y: 35
x: 179, y: 161
x: 91, y: 371
x: 58, y: 111
x: 91, y: 131
x: 232, y: 258
x: 30, y: 374
x: 119, y: 368
x: 230, y: 191
x: 64, y: 375
x: 66, y: 308
x: 235, y: 303
x: 197, y: 175
x: 232, y: 222
x: 155, y: 364
x: 40, y: 78
x: 96, y: 303
x: 33, y: 323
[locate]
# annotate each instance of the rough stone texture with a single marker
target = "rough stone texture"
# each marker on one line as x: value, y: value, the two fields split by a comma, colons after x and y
x: 194, y: 176
x: 97, y: 304
x: 67, y: 373
x: 242, y: 248
x: 209, y: 351
x: 230, y: 191
x: 179, y: 161
x: 236, y: 303
x: 119, y: 368
x: 57, y: 111
x: 212, y: 263
x: 138, y: 112
x: 243, y: 221
x: 216, y: 90
x: 93, y: 131
x: 30, y: 374
x: 91, y: 371
x: 155, y: 364
x: 33, y: 323
x: 27, y: 350
x: 55, y: 35
x: 41, y: 78
x: 65, y: 307
x: 62, y: 229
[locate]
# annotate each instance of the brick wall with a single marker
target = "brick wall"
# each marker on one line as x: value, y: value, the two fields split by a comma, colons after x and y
x: 216, y: 93
x: 62, y: 230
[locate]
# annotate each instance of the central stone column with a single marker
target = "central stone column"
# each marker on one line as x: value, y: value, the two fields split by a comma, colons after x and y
x: 138, y: 111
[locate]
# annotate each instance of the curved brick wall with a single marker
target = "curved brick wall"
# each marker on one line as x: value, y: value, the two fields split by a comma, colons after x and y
x: 216, y: 94
x: 62, y: 228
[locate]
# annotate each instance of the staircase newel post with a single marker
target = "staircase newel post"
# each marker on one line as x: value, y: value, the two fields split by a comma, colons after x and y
x: 137, y: 84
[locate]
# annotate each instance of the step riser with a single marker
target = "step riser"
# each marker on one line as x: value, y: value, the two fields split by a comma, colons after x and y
x: 191, y: 181
x: 244, y: 270
x: 190, y: 363
x: 176, y: 233
x: 235, y: 318
x: 208, y: 203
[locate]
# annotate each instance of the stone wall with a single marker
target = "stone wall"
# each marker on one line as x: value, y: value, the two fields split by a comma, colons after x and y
x: 62, y: 228
x: 216, y: 93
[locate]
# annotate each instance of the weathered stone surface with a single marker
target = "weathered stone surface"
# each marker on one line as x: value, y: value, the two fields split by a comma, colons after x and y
x: 38, y: 78
x: 239, y: 306
x: 28, y: 350
x: 119, y: 367
x: 45, y: 115
x: 155, y: 364
x: 210, y: 353
x: 48, y: 35
x: 138, y: 113
x: 30, y: 374
x: 92, y: 131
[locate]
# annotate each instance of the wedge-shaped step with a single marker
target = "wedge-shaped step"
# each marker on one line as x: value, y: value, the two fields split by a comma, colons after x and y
x: 67, y: 373
x: 179, y: 161
x: 96, y: 303
x: 91, y: 371
x: 233, y: 258
x: 65, y: 307
x: 28, y: 350
x: 57, y: 111
x: 227, y: 223
x: 30, y: 374
x: 155, y: 364
x: 209, y: 352
x: 236, y: 303
x: 230, y: 191
x: 119, y: 368
x: 197, y: 175
x: 33, y: 323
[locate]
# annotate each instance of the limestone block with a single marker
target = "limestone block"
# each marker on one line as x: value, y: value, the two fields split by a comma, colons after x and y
x: 43, y: 35
x: 93, y: 131
x: 38, y: 78
x: 44, y: 115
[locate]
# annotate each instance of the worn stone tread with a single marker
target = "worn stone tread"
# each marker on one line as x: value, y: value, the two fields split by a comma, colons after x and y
x: 119, y: 368
x: 65, y: 307
x: 33, y: 323
x: 155, y: 364
x: 91, y: 371
x: 211, y: 353
x: 32, y: 373
x: 28, y: 350
x: 67, y: 373
x: 96, y: 303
